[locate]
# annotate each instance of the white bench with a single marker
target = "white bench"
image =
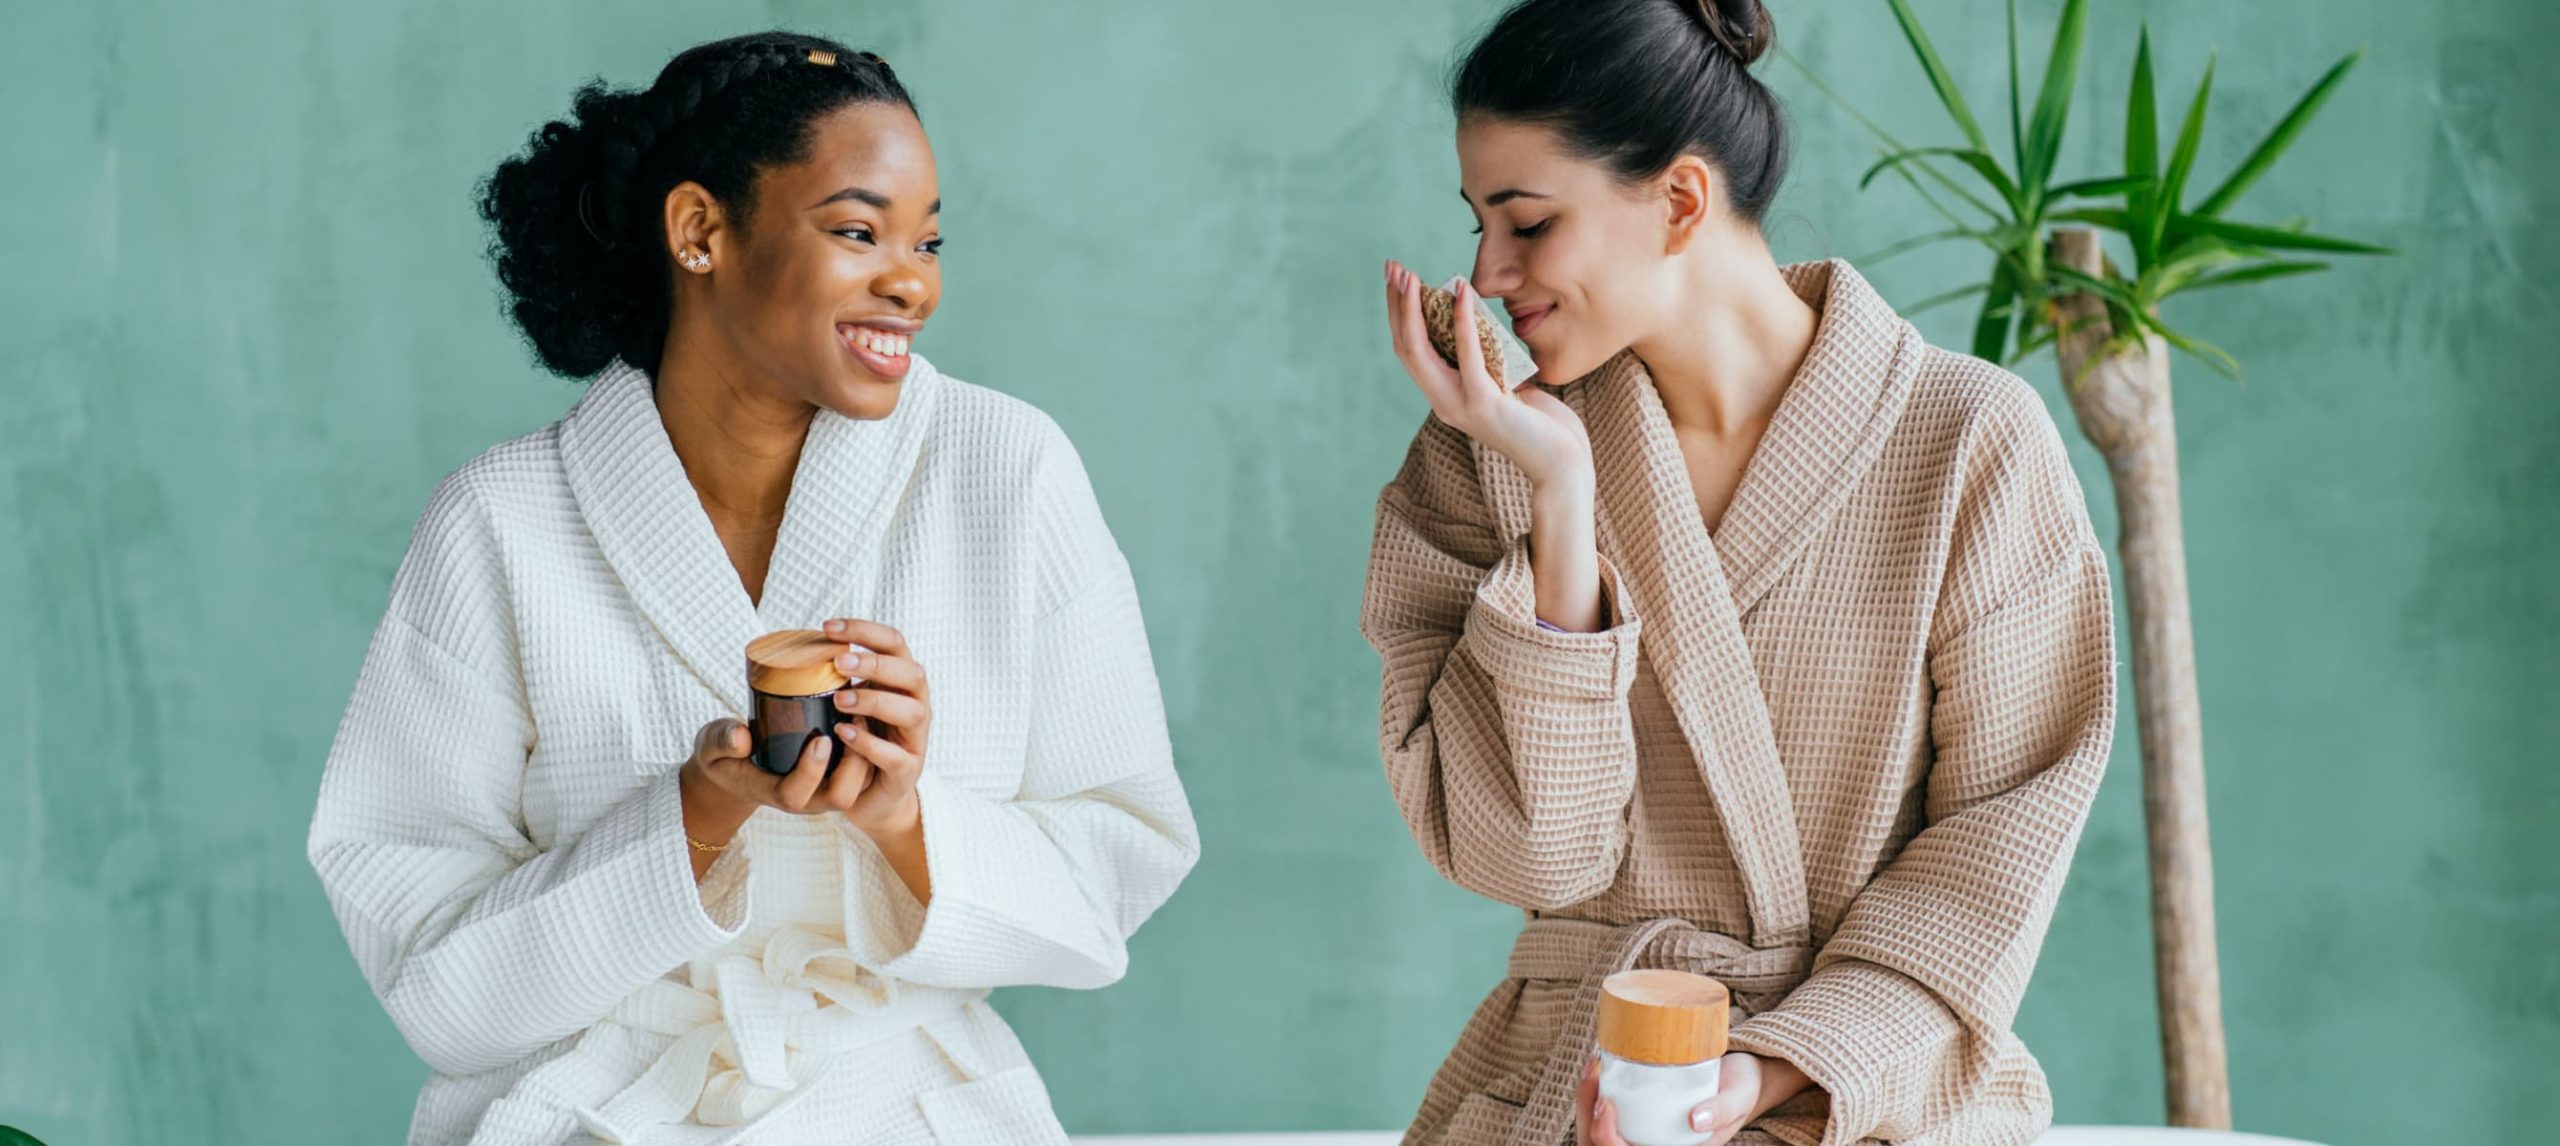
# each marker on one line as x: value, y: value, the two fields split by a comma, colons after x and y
x: 2058, y: 1136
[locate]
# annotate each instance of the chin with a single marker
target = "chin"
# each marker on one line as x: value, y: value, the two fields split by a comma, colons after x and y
x: 863, y: 398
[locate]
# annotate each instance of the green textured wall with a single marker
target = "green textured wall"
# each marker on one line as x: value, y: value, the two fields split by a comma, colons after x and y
x: 247, y: 325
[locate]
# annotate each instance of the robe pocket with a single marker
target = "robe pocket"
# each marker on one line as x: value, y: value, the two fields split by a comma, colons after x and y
x: 1481, y: 1120
x: 1007, y: 1108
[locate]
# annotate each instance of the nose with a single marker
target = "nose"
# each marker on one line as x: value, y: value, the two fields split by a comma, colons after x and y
x: 902, y: 283
x: 1495, y: 273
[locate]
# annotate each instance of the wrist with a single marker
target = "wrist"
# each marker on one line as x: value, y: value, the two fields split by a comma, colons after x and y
x: 712, y: 814
x: 900, y: 825
x: 1573, y: 489
x: 1779, y: 1082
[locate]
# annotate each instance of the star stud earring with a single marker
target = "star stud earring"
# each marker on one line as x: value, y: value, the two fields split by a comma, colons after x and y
x: 694, y: 260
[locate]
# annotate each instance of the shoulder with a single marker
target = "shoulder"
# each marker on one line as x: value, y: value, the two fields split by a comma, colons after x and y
x: 503, y: 485
x: 1984, y: 404
x: 1024, y: 481
x: 990, y: 430
x: 2014, y: 506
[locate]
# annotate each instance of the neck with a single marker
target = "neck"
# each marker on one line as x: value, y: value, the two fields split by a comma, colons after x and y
x: 1738, y: 337
x: 738, y: 438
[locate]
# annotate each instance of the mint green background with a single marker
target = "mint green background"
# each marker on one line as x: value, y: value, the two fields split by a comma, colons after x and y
x: 247, y: 325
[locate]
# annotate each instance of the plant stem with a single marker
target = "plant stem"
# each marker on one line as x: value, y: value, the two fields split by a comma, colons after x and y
x: 2119, y: 392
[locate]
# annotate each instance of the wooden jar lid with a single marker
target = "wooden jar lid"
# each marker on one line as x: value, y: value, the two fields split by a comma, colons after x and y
x: 1667, y: 1018
x: 795, y: 662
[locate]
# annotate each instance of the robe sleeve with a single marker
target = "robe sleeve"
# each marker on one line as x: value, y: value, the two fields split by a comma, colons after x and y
x: 483, y: 946
x: 1508, y: 745
x: 1042, y: 883
x: 1910, y: 1001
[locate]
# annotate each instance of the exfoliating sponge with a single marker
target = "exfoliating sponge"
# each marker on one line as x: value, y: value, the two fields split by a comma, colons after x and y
x: 1504, y: 356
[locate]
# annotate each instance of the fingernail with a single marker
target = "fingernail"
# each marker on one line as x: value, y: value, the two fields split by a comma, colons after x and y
x: 1702, y: 1118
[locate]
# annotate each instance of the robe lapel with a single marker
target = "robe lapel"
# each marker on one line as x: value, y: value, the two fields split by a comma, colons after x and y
x: 1650, y: 529
x: 649, y: 523
x: 852, y: 477
x: 1694, y: 589
x: 1828, y: 430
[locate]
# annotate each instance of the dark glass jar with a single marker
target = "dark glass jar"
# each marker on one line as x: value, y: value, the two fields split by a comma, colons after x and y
x: 794, y: 677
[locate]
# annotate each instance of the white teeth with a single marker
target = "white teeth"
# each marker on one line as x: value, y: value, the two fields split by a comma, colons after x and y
x: 882, y: 343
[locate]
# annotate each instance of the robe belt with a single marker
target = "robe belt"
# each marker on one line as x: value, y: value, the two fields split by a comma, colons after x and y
x: 745, y: 1034
x: 1582, y: 952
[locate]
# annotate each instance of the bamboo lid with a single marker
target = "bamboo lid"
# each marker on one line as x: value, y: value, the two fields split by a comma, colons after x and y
x: 795, y: 662
x: 1667, y: 1018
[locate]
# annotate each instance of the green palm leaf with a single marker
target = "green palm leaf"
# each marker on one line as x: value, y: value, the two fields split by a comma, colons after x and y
x: 2142, y: 148
x: 2173, y: 186
x: 2053, y: 106
x: 2272, y: 147
x: 2256, y: 273
x: 1939, y: 77
x: 2271, y: 238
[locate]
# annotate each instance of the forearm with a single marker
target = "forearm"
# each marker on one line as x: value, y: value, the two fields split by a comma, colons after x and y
x: 1564, y: 555
x: 1780, y: 1083
x: 903, y: 848
x: 712, y: 818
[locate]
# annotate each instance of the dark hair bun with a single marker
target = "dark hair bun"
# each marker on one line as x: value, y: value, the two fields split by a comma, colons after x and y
x: 1742, y: 27
x: 1636, y: 84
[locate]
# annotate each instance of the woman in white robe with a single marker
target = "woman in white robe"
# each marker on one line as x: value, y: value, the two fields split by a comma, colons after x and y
x: 588, y: 913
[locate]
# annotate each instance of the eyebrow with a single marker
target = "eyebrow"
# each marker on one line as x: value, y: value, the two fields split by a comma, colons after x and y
x: 1503, y: 196
x: 865, y: 195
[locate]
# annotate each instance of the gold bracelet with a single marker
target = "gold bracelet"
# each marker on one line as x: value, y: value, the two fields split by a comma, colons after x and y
x: 700, y: 846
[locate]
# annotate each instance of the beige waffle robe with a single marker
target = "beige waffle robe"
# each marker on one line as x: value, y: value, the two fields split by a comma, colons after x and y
x: 1837, y: 754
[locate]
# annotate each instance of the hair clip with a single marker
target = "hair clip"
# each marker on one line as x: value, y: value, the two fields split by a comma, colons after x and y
x: 822, y: 57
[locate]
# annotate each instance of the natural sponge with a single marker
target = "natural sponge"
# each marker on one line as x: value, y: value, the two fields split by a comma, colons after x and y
x: 1504, y: 357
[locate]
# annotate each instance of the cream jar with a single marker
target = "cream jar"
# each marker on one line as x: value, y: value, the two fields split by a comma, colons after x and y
x: 1662, y: 1040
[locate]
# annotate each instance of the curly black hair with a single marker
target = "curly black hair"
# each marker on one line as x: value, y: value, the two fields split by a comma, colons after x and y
x: 575, y: 217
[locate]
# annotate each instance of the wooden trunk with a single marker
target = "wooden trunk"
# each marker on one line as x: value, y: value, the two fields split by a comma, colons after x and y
x: 2120, y: 394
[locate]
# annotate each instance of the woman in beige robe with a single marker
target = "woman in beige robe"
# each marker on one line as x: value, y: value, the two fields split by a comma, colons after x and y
x: 1774, y: 645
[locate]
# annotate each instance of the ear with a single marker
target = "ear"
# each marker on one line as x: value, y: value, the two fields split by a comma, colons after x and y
x: 695, y: 221
x: 1689, y: 188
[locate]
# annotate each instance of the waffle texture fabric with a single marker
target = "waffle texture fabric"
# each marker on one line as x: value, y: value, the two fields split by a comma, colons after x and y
x: 500, y: 833
x: 1844, y: 746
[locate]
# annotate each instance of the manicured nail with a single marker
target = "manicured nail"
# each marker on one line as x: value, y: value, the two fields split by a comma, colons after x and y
x: 1702, y: 1118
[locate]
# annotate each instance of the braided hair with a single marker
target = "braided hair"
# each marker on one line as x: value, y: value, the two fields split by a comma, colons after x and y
x: 1636, y: 84
x: 575, y: 218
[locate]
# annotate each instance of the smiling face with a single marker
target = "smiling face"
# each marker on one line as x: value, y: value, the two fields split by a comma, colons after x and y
x: 838, y: 266
x: 1585, y: 264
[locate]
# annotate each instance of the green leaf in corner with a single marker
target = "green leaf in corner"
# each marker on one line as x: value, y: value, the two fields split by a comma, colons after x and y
x: 2053, y: 105
x: 12, y: 1136
x: 1939, y: 77
x: 2272, y: 147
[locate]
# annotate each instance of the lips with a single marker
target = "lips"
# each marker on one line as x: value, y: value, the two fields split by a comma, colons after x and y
x: 1527, y: 318
x: 882, y: 346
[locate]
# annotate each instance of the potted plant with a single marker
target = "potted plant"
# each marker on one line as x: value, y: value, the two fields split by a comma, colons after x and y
x: 2051, y: 283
